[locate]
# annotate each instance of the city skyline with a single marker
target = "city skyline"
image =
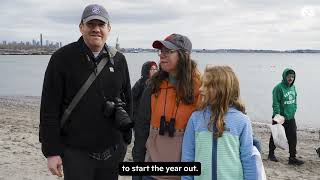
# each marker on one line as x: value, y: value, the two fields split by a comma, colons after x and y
x: 56, y: 44
x: 42, y: 42
x: 225, y: 24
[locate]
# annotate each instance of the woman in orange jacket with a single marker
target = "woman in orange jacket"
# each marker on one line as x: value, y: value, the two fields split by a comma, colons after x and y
x: 167, y: 103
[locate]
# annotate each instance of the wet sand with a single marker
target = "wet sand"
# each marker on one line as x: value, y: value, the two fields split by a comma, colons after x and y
x: 21, y: 157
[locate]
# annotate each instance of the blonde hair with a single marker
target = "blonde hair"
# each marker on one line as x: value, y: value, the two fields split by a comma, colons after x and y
x: 223, y: 91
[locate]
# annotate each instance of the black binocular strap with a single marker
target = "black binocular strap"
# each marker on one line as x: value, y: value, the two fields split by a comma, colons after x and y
x: 83, y: 90
x: 175, y: 115
x: 165, y: 104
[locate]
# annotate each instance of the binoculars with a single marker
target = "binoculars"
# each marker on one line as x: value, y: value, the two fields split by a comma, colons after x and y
x: 167, y: 126
x: 121, y: 118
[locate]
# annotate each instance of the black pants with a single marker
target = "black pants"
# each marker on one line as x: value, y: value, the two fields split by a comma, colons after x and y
x: 136, y: 177
x: 290, y: 128
x: 78, y: 165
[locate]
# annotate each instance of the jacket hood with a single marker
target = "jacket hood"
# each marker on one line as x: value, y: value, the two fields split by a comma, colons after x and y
x: 146, y: 68
x: 285, y: 74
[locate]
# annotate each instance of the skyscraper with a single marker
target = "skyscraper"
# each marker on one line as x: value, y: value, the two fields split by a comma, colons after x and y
x: 41, y: 40
x: 117, y: 44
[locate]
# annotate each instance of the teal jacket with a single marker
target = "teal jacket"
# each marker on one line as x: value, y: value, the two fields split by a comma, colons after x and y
x: 227, y: 158
x: 284, y: 97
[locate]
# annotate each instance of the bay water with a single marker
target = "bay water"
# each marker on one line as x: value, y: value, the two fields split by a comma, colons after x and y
x: 258, y: 73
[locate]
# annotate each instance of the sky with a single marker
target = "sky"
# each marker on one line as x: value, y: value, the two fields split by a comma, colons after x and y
x: 210, y: 24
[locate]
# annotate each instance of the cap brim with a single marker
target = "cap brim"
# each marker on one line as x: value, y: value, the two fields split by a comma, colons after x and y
x: 159, y: 44
x: 85, y: 20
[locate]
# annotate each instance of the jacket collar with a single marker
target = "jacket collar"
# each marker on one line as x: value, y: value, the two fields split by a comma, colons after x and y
x: 86, y: 50
x: 165, y: 84
x: 231, y: 109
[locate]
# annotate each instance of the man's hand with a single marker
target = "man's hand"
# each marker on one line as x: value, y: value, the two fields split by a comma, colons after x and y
x: 54, y: 165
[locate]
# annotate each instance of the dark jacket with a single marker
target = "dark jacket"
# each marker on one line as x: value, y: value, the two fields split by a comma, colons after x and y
x: 142, y: 126
x: 140, y: 85
x: 86, y: 128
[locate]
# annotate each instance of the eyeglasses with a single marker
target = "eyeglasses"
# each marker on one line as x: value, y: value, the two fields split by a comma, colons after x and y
x: 165, y: 52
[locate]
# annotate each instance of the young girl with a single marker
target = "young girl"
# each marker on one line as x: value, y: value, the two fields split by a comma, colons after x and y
x: 219, y: 135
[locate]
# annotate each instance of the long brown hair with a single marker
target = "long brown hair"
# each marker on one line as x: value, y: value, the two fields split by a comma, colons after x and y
x: 222, y: 91
x: 187, y: 74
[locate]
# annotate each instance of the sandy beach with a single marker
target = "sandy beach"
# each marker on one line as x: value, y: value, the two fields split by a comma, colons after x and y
x: 21, y: 157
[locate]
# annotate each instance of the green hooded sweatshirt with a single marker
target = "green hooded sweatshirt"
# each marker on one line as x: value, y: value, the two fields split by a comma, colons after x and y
x: 284, y: 97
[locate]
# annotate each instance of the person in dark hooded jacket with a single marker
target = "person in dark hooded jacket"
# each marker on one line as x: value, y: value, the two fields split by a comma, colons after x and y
x: 147, y: 70
x: 284, y: 103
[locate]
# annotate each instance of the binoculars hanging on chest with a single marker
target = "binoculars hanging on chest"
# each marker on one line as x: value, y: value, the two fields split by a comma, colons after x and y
x: 167, y: 126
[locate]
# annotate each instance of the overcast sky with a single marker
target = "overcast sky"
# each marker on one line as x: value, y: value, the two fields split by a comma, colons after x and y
x: 210, y: 24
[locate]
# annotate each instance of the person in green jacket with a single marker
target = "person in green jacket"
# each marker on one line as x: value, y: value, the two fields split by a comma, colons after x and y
x: 284, y: 103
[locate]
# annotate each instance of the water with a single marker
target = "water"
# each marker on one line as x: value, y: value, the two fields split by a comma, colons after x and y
x: 257, y: 73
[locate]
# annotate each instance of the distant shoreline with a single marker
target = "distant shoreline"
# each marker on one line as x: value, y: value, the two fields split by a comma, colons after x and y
x: 141, y: 50
x: 17, y: 54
